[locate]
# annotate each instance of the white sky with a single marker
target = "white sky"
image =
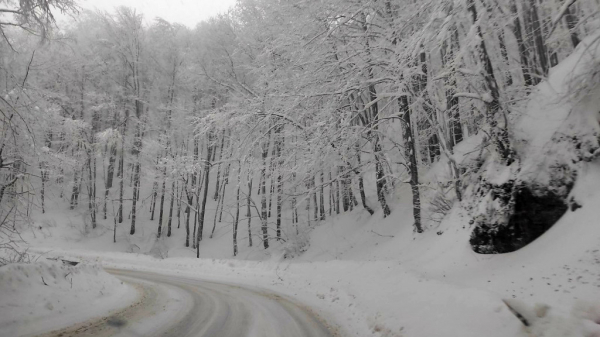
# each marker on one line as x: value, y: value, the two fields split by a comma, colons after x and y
x: 187, y: 12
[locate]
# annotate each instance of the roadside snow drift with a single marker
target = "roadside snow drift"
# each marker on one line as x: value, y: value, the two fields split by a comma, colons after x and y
x: 53, y: 295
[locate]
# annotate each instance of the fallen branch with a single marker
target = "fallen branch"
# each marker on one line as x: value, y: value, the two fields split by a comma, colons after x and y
x: 385, y: 236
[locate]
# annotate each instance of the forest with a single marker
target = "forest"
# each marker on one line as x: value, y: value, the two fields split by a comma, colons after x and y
x: 299, y: 110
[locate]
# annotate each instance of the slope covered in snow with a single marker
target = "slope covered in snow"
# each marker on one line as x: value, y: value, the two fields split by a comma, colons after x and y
x: 43, y: 296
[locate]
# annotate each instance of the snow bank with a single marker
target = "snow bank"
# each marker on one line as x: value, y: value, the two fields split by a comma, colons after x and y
x: 53, y: 295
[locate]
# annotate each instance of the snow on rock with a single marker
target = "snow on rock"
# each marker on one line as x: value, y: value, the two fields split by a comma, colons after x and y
x: 554, y: 132
x: 53, y: 295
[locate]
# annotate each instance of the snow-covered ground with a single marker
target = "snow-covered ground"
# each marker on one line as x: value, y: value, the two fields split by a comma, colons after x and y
x: 397, y: 283
x: 43, y: 296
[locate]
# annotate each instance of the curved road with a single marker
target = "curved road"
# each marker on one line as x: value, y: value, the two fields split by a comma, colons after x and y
x: 178, y: 306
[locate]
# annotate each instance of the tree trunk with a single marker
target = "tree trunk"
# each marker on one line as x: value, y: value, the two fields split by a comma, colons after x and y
x: 313, y: 186
x: 203, y: 209
x: 197, y: 193
x: 162, y: 202
x: 308, y: 205
x: 248, y: 210
x: 109, y: 175
x: 336, y: 201
x: 279, y: 193
x: 43, y: 190
x: 75, y: 190
x: 171, y: 208
x: 430, y: 121
x: 508, y: 77
x: 121, y: 185
x: 180, y: 194
x: 222, y: 196
x: 523, y: 54
x: 154, y: 195
x: 196, y: 213
x: 571, y: 20
x: 379, y: 173
x: 91, y: 200
x: 345, y: 196
x: 411, y: 155
x: 237, y: 211
x: 380, y: 182
x: 354, y: 202
x: 499, y: 134
x: 271, y: 192
x: 322, y: 197
x: 216, y: 196
x: 137, y: 146
x: 330, y: 194
x: 533, y: 36
x: 139, y: 185
x: 279, y: 202
x: 452, y: 108
x: 540, y: 45
x: 132, y: 173
x: 361, y: 185
x: 188, y: 211
x: 501, y: 42
x: 190, y: 199
x: 136, y: 177
x: 263, y: 203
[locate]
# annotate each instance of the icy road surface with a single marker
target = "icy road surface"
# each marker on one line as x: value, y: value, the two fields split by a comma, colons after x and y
x: 179, y: 306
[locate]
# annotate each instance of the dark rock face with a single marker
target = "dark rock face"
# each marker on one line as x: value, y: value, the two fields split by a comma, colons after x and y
x: 535, y: 210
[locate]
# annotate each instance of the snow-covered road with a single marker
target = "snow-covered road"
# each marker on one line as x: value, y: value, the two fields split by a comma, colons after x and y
x: 179, y: 306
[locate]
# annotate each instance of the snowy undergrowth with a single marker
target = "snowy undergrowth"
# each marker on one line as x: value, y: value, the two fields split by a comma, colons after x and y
x: 53, y: 295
